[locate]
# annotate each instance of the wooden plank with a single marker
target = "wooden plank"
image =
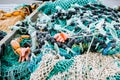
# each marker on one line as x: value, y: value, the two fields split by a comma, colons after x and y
x: 8, y: 38
x: 6, y: 41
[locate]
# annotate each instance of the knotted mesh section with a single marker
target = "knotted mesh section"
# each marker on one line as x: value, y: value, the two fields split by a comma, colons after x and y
x: 96, y: 66
x: 50, y: 7
x: 11, y: 69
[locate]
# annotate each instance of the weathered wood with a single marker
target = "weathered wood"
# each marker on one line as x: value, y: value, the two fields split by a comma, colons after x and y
x: 5, y: 41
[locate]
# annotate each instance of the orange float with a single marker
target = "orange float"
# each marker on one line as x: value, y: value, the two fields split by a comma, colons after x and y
x: 21, y: 51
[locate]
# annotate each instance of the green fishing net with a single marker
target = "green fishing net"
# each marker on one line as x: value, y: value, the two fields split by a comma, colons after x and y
x: 11, y: 69
x: 83, y: 21
x: 59, y: 63
x: 50, y: 7
x: 60, y: 66
x: 87, y: 17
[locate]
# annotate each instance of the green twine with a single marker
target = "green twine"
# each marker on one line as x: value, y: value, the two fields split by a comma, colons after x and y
x: 11, y: 69
x: 61, y: 66
x: 50, y: 7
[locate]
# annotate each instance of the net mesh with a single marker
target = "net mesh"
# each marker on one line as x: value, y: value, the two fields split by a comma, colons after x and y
x: 96, y: 67
x: 82, y: 22
x: 11, y: 69
x: 47, y: 64
x: 92, y: 66
x: 64, y: 64
x: 50, y: 7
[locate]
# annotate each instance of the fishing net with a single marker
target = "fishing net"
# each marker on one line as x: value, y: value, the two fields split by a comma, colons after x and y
x: 80, y: 22
x: 47, y: 60
x: 11, y: 69
x: 93, y: 28
x: 83, y: 23
x: 57, y: 68
x: 50, y: 7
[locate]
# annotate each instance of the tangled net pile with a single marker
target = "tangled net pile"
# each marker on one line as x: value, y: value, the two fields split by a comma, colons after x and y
x: 83, y: 24
x: 93, y: 28
x: 80, y: 22
x: 55, y: 67
x: 11, y: 69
